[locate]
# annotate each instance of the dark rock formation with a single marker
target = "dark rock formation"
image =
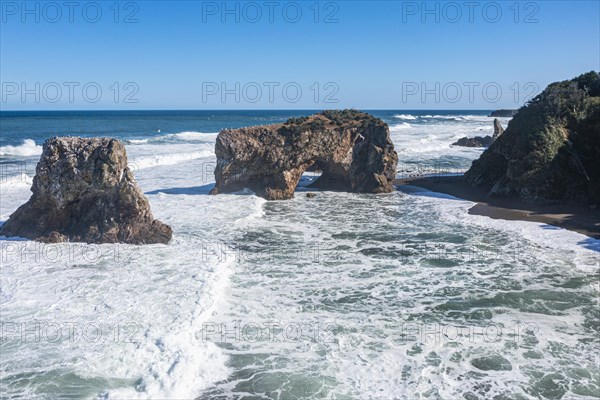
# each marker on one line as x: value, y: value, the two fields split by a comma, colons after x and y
x: 352, y: 149
x: 550, y: 150
x: 479, y: 141
x: 498, y: 130
x: 476, y: 141
x: 503, y: 113
x: 83, y: 191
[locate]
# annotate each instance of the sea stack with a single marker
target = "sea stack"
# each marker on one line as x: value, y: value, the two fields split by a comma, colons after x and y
x: 498, y: 130
x: 352, y: 149
x: 550, y: 149
x: 83, y: 191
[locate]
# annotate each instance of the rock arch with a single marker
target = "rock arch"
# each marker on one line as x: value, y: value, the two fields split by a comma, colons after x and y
x: 352, y: 149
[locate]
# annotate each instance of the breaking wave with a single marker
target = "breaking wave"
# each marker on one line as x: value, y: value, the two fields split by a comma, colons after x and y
x: 28, y: 148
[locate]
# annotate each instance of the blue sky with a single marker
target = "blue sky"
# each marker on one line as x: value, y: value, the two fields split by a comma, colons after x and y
x: 215, y: 55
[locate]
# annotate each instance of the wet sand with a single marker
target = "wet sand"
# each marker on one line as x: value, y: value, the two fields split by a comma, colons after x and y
x: 575, y: 218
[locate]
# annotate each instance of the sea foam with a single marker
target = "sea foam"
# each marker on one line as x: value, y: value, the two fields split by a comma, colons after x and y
x: 405, y: 116
x: 28, y: 148
x: 157, y: 160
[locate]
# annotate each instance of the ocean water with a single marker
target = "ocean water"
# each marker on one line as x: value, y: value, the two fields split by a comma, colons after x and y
x: 343, y: 296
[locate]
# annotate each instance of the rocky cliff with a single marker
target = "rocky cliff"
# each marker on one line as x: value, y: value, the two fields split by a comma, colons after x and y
x: 83, y: 191
x: 352, y: 149
x: 550, y: 150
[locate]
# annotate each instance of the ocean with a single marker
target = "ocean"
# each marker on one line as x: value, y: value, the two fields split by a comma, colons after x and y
x: 343, y: 296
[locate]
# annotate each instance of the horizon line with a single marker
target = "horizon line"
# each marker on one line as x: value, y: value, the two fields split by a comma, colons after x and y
x: 266, y: 109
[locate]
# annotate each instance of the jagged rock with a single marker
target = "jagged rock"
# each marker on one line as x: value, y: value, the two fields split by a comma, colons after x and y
x: 476, y: 141
x: 83, y: 191
x: 498, y: 130
x: 352, y: 149
x: 550, y: 149
x: 311, y: 195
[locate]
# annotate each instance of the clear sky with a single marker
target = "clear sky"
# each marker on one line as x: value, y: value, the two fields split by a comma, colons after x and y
x: 291, y: 55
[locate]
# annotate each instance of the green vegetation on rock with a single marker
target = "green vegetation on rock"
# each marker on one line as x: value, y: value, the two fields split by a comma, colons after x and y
x: 550, y: 150
x: 332, y: 118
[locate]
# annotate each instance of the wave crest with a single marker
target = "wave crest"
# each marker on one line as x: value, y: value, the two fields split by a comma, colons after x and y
x: 186, y: 136
x: 405, y: 116
x: 167, y: 159
x: 399, y: 127
x: 28, y: 148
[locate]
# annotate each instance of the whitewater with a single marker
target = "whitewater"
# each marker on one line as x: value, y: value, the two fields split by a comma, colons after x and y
x: 402, y: 295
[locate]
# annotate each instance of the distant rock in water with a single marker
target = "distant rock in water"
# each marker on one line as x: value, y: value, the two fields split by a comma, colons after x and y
x: 352, y: 149
x: 83, y: 191
x: 503, y: 113
x: 476, y: 141
x: 479, y: 141
x: 550, y: 150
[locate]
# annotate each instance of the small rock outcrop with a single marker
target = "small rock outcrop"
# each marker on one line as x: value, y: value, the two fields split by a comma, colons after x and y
x: 352, y: 149
x: 83, y: 191
x: 498, y: 130
x: 550, y: 150
x: 503, y: 113
x: 479, y: 141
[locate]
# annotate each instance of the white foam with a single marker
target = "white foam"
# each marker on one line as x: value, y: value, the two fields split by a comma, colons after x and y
x: 28, y: 148
x: 400, y: 127
x: 193, y: 136
x: 368, y: 297
x: 434, y: 140
x: 166, y: 291
x: 166, y: 159
x: 169, y: 292
x: 449, y: 117
x: 405, y: 116
x: 186, y: 136
x: 552, y: 238
x: 18, y: 180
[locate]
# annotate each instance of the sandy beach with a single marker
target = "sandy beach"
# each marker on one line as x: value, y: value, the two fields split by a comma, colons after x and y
x: 580, y: 219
